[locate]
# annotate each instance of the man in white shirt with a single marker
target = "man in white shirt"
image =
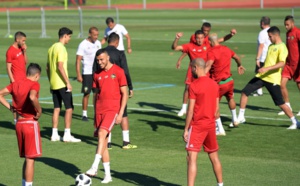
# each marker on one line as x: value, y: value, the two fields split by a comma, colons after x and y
x: 263, y: 43
x: 86, y: 54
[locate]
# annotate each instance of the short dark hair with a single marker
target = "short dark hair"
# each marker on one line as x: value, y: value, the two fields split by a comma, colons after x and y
x: 33, y: 69
x: 64, y: 30
x: 101, y: 51
x: 206, y: 24
x: 265, y: 20
x: 93, y: 28
x: 109, y: 20
x: 274, y: 30
x: 199, y: 32
x: 19, y: 34
x: 113, y: 37
x: 289, y: 17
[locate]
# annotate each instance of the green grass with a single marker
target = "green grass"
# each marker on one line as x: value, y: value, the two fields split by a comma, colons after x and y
x: 259, y: 153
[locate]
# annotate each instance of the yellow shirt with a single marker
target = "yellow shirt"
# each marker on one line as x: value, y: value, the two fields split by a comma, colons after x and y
x: 276, y: 53
x: 57, y: 53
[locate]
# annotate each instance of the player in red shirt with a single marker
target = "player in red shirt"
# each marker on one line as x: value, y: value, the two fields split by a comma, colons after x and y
x: 291, y: 70
x: 110, y: 103
x: 200, y: 122
x: 25, y: 95
x: 194, y: 50
x: 218, y: 65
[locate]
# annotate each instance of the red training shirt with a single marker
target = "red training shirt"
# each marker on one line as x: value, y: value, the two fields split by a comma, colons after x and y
x: 293, y: 45
x: 221, y: 55
x: 109, y: 83
x: 16, y: 57
x: 20, y: 91
x: 205, y: 91
x: 195, y: 51
x: 205, y: 42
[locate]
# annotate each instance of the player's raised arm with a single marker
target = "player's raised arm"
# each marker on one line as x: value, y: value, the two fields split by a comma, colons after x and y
x: 228, y: 36
x: 175, y: 45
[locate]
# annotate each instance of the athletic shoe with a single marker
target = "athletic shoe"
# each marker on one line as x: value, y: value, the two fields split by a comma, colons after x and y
x: 281, y: 113
x: 220, y: 133
x: 109, y: 146
x: 298, y: 114
x: 241, y: 120
x: 92, y: 171
x: 106, y: 179
x: 55, y: 138
x: 129, y: 146
x: 257, y: 94
x: 71, y: 139
x: 84, y: 118
x: 234, y: 124
x: 292, y: 127
x: 181, y: 112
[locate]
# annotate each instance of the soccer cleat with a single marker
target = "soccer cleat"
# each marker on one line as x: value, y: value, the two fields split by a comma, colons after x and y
x: 281, y: 113
x: 55, y: 138
x: 85, y: 118
x: 92, y: 172
x: 241, y: 120
x: 129, y: 146
x: 71, y: 139
x: 181, y: 112
x: 220, y: 133
x: 292, y: 127
x: 298, y: 114
x: 106, y: 179
x: 256, y: 94
x: 234, y: 124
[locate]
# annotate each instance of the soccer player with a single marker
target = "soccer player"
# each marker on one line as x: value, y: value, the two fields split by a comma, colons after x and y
x: 16, y: 60
x: 118, y: 58
x: 86, y: 54
x: 291, y: 69
x: 25, y: 95
x: 194, y: 50
x: 270, y: 77
x: 218, y: 65
x: 263, y: 43
x: 200, y: 122
x: 60, y: 86
x: 110, y: 104
x: 206, y: 27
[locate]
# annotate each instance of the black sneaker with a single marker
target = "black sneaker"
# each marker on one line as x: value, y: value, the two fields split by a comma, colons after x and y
x: 84, y: 118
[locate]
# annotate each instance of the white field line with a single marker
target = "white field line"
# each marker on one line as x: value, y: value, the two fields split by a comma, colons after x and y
x: 175, y: 111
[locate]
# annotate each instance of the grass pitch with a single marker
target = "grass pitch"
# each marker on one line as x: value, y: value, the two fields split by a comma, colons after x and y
x: 261, y: 152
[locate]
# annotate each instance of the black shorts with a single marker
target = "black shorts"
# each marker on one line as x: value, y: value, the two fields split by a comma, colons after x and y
x: 60, y: 95
x: 261, y: 65
x: 273, y: 89
x: 87, y: 83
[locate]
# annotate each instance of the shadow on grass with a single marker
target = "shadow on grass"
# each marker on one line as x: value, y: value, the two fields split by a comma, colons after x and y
x: 49, y: 112
x: 159, y: 106
x: 155, y: 124
x: 2, y: 184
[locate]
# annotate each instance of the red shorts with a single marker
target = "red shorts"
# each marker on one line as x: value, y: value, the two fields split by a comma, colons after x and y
x: 29, y: 139
x: 291, y: 73
x: 189, y: 76
x: 104, y: 121
x: 198, y: 137
x: 226, y: 90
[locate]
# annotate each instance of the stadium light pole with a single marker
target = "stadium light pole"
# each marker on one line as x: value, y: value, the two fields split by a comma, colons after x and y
x: 261, y: 4
x: 144, y: 4
x: 200, y: 4
x: 108, y: 4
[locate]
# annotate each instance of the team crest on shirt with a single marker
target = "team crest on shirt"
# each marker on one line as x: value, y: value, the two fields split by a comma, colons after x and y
x: 113, y: 76
x: 99, y: 78
x: 204, y: 48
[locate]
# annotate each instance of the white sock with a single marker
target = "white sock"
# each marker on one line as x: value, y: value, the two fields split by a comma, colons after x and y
x: 23, y: 182
x: 220, y: 126
x: 260, y: 91
x: 242, y: 113
x: 96, y: 161
x: 125, y: 135
x: 220, y: 184
x: 54, y: 132
x: 233, y: 113
x: 84, y: 113
x: 294, y: 120
x: 67, y: 132
x: 184, y: 106
x: 28, y: 183
x: 106, y: 167
x: 109, y: 137
x: 15, y: 121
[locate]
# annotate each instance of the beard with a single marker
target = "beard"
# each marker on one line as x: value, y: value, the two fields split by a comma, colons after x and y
x: 194, y: 75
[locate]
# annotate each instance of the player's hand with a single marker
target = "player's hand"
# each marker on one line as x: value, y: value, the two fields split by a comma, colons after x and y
x: 118, y: 119
x: 38, y: 115
x: 129, y: 50
x: 241, y: 70
x: 233, y: 32
x: 79, y: 78
x: 258, y: 63
x: 24, y: 47
x: 69, y: 87
x: 130, y: 95
x: 262, y: 70
x: 185, y: 135
x: 178, y: 64
x: 12, y: 109
x: 179, y: 35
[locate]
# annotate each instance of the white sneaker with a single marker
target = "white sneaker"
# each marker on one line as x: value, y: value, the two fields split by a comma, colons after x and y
x: 257, y: 94
x: 234, y: 124
x: 281, y: 113
x: 292, y: 127
x: 220, y: 133
x: 181, y: 112
x: 92, y: 172
x: 55, y: 138
x: 241, y: 120
x: 71, y: 139
x: 106, y: 179
x: 298, y: 114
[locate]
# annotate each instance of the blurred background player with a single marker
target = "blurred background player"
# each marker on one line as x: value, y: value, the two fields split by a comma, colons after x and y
x: 270, y: 77
x: 60, y: 86
x: 200, y: 122
x: 194, y: 50
x: 291, y: 69
x: 111, y: 100
x: 218, y: 65
x: 263, y: 43
x: 25, y: 95
x: 85, y: 55
x: 16, y: 60
x: 206, y: 27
